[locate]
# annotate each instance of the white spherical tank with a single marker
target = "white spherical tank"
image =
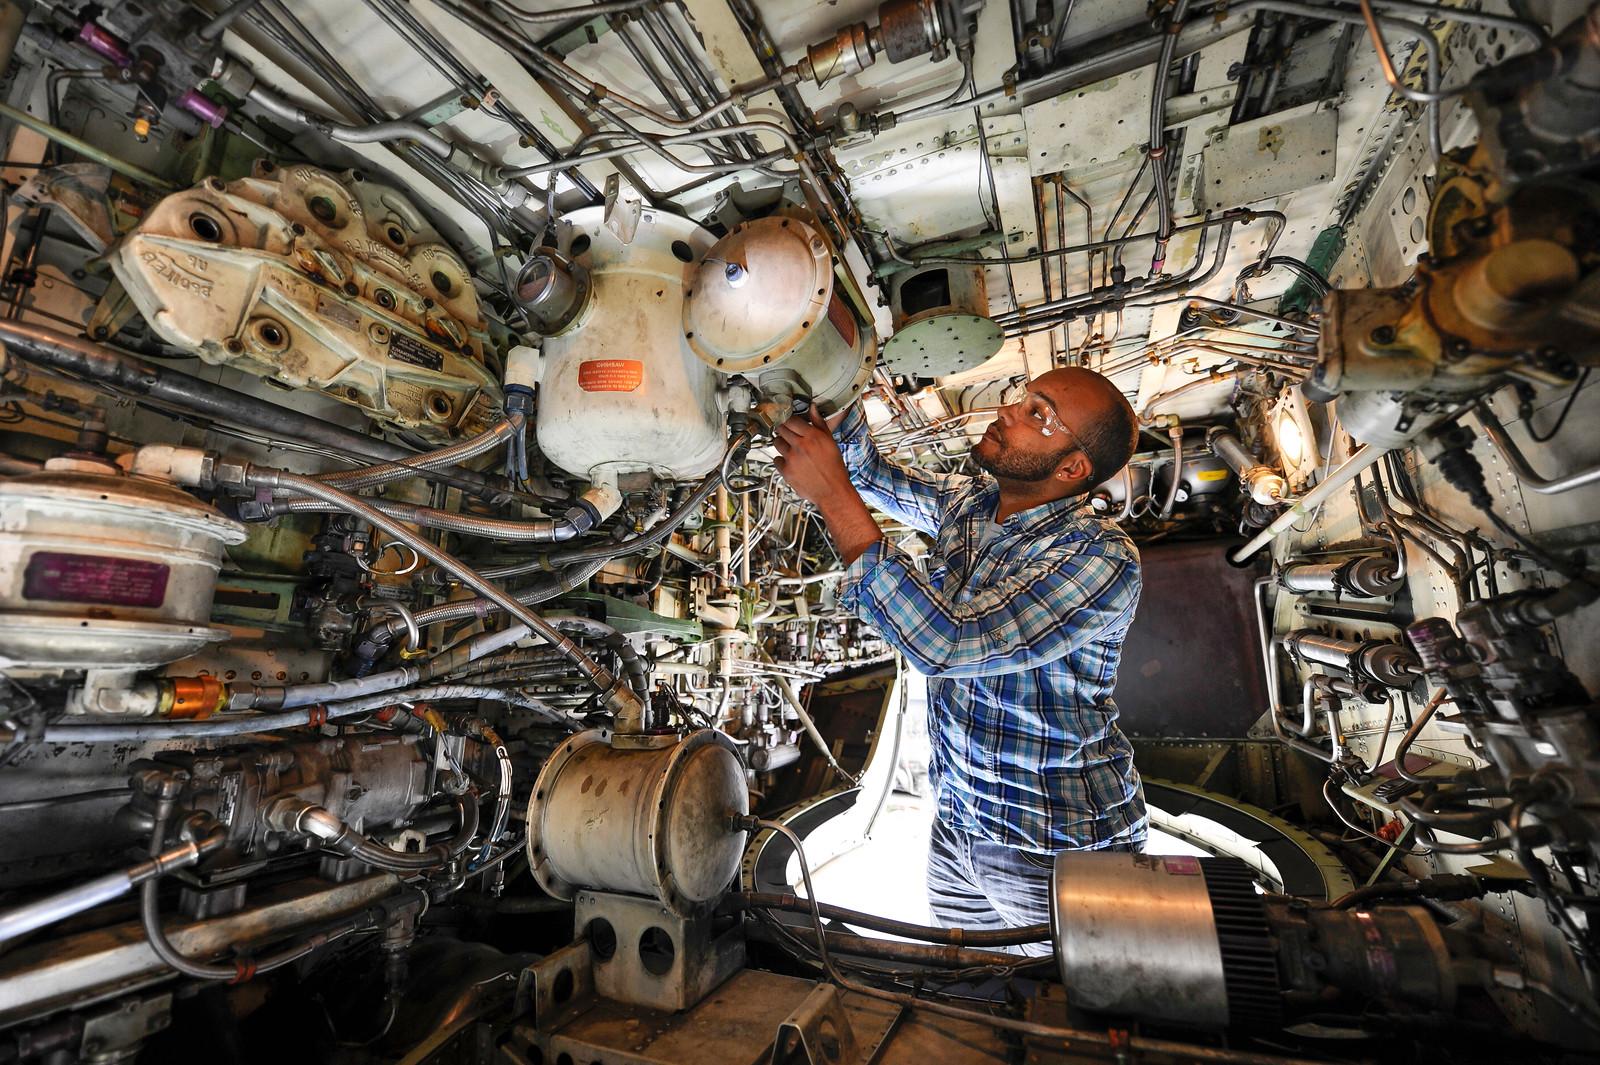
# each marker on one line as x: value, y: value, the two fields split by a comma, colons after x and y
x: 619, y: 389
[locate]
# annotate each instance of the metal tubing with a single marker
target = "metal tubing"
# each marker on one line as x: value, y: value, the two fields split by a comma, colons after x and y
x: 626, y: 705
x: 85, y: 149
x: 1175, y: 433
x: 1545, y: 486
x: 75, y: 900
x: 971, y: 937
x: 84, y: 358
x: 377, y: 133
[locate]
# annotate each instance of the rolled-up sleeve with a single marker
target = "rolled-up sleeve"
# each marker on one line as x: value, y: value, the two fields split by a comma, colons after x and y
x: 1068, y: 596
x: 916, y: 497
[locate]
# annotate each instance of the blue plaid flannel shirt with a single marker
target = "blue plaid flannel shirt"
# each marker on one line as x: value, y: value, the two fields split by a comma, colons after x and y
x: 1020, y: 638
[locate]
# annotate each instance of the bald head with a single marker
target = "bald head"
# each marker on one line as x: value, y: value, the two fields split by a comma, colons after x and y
x: 1098, y: 414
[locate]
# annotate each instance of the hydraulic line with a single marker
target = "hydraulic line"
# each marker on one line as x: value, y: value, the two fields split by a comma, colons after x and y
x: 250, y: 723
x: 626, y: 705
x: 383, y: 473
x: 295, y: 815
x: 1175, y: 434
x: 74, y: 900
x: 377, y: 133
x: 969, y: 937
x: 127, y: 374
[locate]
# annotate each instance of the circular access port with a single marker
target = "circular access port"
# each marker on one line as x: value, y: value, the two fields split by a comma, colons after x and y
x: 682, y: 252
x: 563, y: 986
x: 395, y: 234
x: 270, y: 334
x: 438, y: 405
x: 385, y: 299
x: 602, y: 939
x: 205, y: 227
x: 580, y: 244
x: 656, y: 951
x: 323, y: 209
x: 442, y: 283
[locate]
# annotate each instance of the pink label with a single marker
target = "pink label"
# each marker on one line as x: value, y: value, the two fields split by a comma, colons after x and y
x: 1182, y: 865
x: 94, y: 579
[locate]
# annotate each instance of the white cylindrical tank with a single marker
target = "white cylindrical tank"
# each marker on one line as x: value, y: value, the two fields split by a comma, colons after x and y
x: 619, y: 389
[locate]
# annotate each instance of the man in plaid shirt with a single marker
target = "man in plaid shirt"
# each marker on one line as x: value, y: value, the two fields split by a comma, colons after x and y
x: 1018, y: 623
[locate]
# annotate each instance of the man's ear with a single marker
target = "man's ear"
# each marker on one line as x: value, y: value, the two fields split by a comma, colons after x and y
x: 1075, y: 467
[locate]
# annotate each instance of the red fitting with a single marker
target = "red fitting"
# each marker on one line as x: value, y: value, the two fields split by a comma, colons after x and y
x: 317, y: 716
x: 244, y: 970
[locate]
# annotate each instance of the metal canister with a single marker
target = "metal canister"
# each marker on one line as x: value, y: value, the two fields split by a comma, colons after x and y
x: 655, y: 823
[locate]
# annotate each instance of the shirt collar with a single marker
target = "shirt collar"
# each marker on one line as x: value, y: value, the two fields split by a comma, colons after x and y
x: 1036, y: 519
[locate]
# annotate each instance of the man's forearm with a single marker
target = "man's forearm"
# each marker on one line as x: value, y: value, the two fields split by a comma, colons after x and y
x: 850, y: 524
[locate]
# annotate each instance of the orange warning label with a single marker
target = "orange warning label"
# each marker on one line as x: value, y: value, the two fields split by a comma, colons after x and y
x: 610, y: 375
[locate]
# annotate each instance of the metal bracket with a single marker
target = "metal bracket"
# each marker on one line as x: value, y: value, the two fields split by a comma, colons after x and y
x: 818, y: 1032
x: 557, y: 987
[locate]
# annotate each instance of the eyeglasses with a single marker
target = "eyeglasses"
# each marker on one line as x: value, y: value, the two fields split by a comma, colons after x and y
x: 1036, y: 411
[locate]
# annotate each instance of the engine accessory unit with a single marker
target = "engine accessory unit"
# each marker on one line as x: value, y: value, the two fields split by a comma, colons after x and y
x: 1506, y: 288
x: 655, y: 823
x: 101, y: 570
x: 1188, y: 940
x: 765, y: 303
x: 905, y: 30
x: 1362, y: 576
x: 941, y: 321
x: 1265, y: 485
x: 1393, y: 665
x: 314, y: 280
x: 368, y: 782
x: 618, y: 386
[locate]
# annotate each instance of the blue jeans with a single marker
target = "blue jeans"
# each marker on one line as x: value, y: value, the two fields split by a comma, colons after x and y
x: 974, y: 883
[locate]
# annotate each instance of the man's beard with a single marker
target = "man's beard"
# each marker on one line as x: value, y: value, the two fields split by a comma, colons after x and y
x: 1010, y: 466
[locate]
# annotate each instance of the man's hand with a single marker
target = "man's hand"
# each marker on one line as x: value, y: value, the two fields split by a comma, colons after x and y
x: 809, y: 460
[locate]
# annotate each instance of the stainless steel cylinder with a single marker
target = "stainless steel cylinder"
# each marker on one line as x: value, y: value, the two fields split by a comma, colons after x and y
x: 1389, y: 664
x: 1363, y: 577
x: 642, y: 822
x: 1135, y: 936
x: 1173, y: 939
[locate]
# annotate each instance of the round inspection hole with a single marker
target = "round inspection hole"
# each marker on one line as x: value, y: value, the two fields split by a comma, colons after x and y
x: 563, y: 1058
x: 205, y: 227
x: 323, y: 209
x: 442, y: 283
x: 438, y: 405
x: 602, y: 939
x: 580, y: 244
x: 682, y: 252
x: 561, y: 990
x: 828, y: 1038
x: 656, y: 951
x: 385, y: 298
x: 395, y: 234
x: 270, y: 334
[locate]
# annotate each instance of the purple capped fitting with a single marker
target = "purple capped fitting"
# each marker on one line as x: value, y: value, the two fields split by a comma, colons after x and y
x: 104, y: 43
x: 203, y: 107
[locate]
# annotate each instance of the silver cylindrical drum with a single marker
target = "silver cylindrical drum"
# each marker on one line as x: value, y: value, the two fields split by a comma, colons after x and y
x: 1163, y: 938
x: 1366, y: 576
x: 641, y: 822
x: 104, y: 571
